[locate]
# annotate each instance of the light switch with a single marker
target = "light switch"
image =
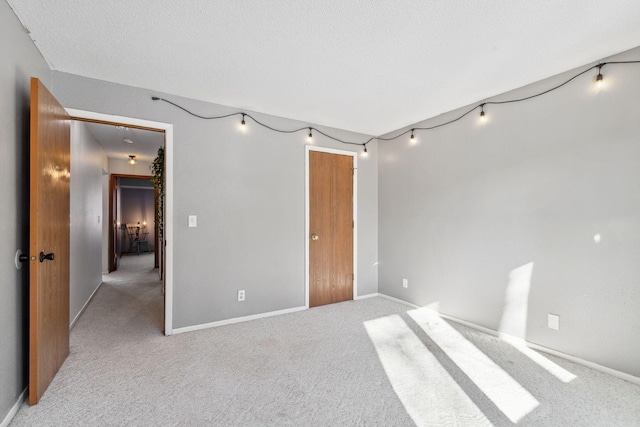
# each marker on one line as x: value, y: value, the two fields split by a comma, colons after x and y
x: 193, y: 221
x: 553, y: 321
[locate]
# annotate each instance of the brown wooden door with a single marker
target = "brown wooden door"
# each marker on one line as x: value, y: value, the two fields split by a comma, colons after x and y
x: 331, y: 228
x: 113, y: 220
x: 48, y: 235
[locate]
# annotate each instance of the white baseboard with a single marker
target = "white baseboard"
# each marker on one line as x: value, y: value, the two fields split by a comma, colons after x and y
x: 269, y: 314
x: 400, y: 301
x: 366, y: 296
x: 14, y: 409
x: 237, y: 320
x: 84, y: 307
x: 583, y: 362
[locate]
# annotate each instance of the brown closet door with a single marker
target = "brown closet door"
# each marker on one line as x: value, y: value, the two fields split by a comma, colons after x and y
x: 331, y: 228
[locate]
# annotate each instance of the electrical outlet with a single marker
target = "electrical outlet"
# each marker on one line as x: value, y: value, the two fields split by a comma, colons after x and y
x: 241, y: 295
x: 193, y: 221
x: 405, y: 283
x: 553, y: 321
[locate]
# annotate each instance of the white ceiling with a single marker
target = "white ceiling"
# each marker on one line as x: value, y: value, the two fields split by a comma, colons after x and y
x: 145, y: 143
x: 361, y: 65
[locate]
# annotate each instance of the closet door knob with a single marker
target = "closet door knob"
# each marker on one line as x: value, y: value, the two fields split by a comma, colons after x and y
x: 47, y: 256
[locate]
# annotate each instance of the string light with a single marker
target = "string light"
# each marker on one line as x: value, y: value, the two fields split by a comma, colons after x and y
x: 364, y: 153
x: 132, y: 159
x: 310, y: 137
x: 243, y: 124
x: 412, y: 140
x: 599, y: 83
x: 599, y: 77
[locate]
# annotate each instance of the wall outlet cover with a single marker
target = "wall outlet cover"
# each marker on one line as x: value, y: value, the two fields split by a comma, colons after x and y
x: 405, y: 283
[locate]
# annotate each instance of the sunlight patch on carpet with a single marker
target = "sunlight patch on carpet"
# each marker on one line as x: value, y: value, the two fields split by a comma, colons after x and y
x: 551, y: 367
x: 429, y: 394
x: 505, y: 392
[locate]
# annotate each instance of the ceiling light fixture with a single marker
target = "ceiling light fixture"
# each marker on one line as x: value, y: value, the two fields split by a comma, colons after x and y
x: 132, y: 159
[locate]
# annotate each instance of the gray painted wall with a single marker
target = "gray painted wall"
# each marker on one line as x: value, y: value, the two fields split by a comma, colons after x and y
x: 470, y: 203
x: 248, y: 192
x: 87, y: 161
x: 20, y: 61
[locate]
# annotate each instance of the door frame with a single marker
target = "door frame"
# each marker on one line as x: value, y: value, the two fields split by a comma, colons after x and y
x: 167, y: 128
x: 354, y: 155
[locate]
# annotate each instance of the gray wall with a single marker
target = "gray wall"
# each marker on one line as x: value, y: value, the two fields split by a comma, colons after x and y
x: 469, y: 205
x: 248, y: 192
x: 20, y: 61
x: 87, y: 161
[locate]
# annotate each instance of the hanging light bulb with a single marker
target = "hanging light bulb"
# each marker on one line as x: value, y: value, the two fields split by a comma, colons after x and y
x: 412, y: 140
x: 364, y: 153
x: 132, y: 160
x: 599, y: 78
x: 243, y: 124
x: 310, y: 136
x: 483, y: 118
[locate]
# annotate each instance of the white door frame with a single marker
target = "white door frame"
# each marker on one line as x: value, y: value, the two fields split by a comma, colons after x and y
x: 168, y: 229
x: 354, y: 155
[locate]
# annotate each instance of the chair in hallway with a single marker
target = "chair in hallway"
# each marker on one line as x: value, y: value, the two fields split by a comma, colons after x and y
x: 143, y: 242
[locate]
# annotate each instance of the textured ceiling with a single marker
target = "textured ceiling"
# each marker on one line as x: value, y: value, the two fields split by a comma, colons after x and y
x: 361, y: 65
x: 144, y: 143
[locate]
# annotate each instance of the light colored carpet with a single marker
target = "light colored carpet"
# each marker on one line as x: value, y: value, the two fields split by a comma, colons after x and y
x: 370, y: 362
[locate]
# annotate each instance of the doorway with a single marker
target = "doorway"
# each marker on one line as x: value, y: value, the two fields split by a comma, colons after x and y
x: 331, y: 226
x: 167, y: 244
x: 133, y: 210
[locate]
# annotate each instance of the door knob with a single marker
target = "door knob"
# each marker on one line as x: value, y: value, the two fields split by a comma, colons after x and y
x: 47, y: 256
x: 314, y: 237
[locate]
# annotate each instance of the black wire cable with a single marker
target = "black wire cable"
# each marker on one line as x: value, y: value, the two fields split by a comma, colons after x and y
x: 412, y: 130
x: 157, y: 98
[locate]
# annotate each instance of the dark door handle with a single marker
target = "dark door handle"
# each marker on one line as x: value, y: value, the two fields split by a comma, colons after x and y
x: 47, y: 256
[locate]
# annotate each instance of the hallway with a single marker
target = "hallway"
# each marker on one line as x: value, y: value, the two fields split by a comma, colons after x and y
x: 107, y: 345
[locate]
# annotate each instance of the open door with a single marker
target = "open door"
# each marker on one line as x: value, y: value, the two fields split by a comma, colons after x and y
x: 114, y: 252
x: 48, y: 239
